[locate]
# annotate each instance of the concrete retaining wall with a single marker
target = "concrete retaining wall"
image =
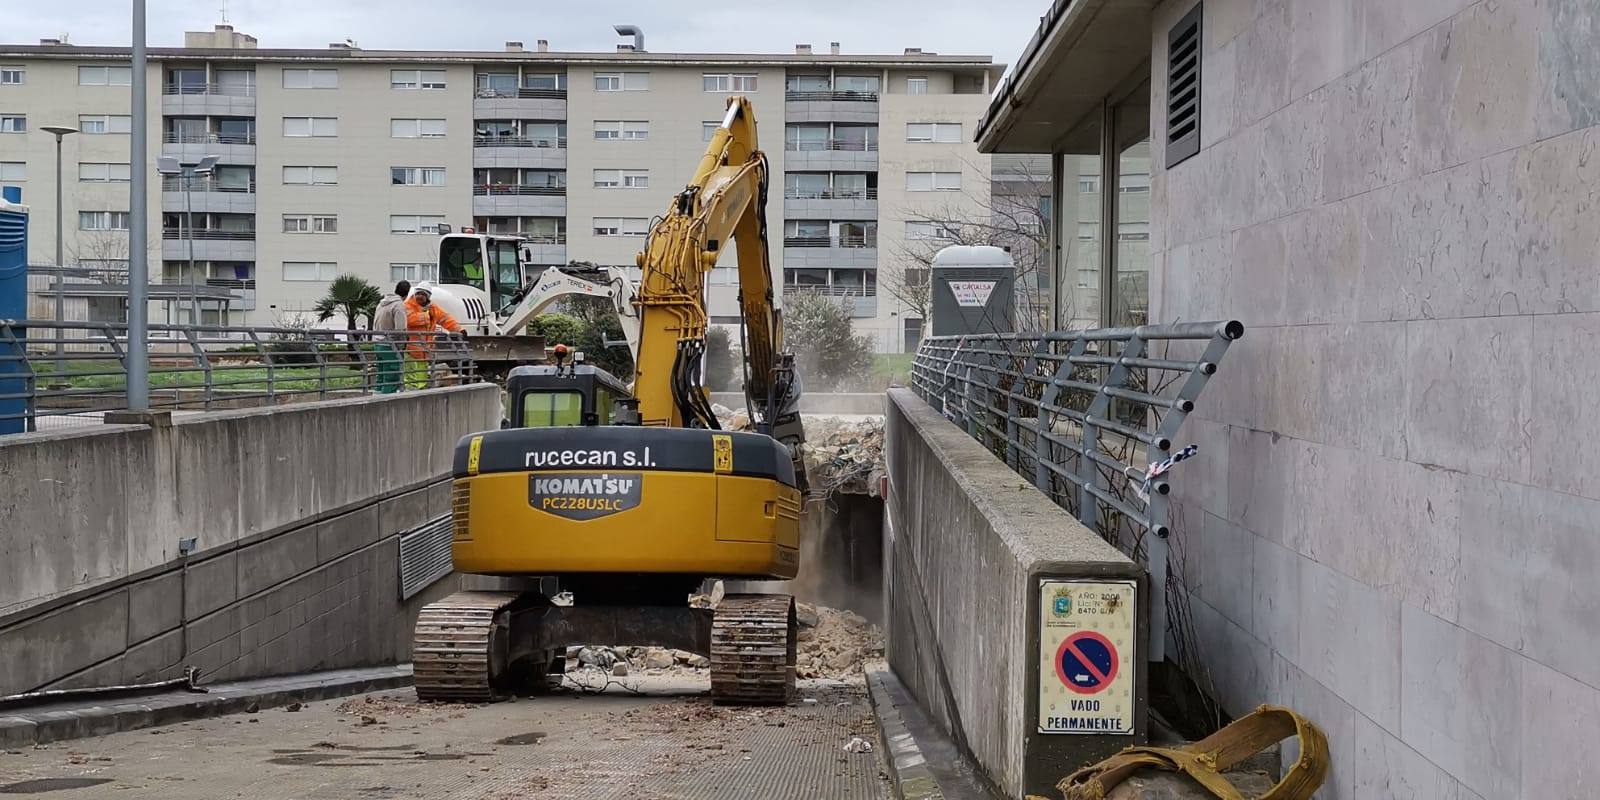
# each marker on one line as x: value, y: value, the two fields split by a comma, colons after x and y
x: 819, y: 402
x: 967, y: 541
x: 296, y: 511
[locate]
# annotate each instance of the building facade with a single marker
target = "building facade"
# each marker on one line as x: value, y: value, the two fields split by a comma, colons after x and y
x: 1396, y: 198
x: 346, y: 161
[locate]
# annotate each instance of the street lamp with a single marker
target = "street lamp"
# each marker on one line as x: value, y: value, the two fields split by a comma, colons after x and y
x: 167, y: 165
x: 60, y: 132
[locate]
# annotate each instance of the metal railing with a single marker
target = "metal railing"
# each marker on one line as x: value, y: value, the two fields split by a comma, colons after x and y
x: 214, y: 234
x: 176, y: 184
x: 544, y: 238
x: 246, y: 90
x: 831, y: 194
x: 831, y: 241
x: 831, y: 94
x: 1085, y: 415
x: 524, y: 94
x: 208, y: 138
x: 833, y: 291
x: 831, y: 144
x: 55, y: 374
x: 515, y: 141
x: 495, y: 189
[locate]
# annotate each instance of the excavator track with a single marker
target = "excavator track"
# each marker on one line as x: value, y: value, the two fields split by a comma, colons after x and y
x: 459, y: 650
x: 753, y: 649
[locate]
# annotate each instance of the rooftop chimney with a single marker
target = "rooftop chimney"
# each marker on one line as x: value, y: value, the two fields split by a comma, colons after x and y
x: 220, y: 37
x: 913, y: 51
x: 50, y: 42
x: 544, y: 45
x: 513, y: 47
x: 625, y: 48
x: 638, y: 37
x: 802, y: 49
x: 833, y: 47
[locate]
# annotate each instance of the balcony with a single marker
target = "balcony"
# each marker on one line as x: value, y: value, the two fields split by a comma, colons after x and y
x: 190, y: 148
x: 546, y: 249
x: 207, y: 99
x: 863, y: 304
x: 518, y: 151
x: 833, y: 155
x: 209, y: 245
x: 518, y: 200
x: 831, y: 204
x: 209, y: 196
x: 830, y: 251
x: 830, y: 106
x: 520, y: 104
x: 244, y: 291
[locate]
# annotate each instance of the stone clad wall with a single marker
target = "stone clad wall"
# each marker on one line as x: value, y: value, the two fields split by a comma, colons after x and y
x: 1394, y: 526
x: 296, y: 511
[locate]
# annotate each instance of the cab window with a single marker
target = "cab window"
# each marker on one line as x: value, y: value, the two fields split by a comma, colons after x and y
x: 551, y: 409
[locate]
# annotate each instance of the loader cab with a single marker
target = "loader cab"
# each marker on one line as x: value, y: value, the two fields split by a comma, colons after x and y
x: 488, y: 263
x: 547, y: 396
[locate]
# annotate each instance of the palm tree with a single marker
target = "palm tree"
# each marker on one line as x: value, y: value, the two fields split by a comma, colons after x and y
x: 352, y: 296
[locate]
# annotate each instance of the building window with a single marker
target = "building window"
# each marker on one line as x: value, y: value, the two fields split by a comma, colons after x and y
x: 416, y: 128
x: 1133, y: 183
x: 621, y: 179
x: 415, y: 223
x: 416, y: 176
x: 1088, y: 184
x: 1133, y: 232
x: 310, y: 126
x: 621, y: 129
x: 856, y: 84
x: 933, y: 181
x: 728, y: 82
x: 416, y: 79
x: 12, y: 76
x: 413, y: 272
x: 310, y: 270
x: 622, y: 81
x: 545, y: 80
x: 311, y: 79
x: 98, y: 172
x: 621, y: 226
x: 105, y: 123
x: 310, y: 176
x: 933, y: 131
x: 916, y: 85
x: 13, y: 123
x: 15, y: 170
x: 928, y: 229
x: 1088, y: 231
x: 102, y: 220
x: 310, y: 223
x: 708, y: 129
x: 105, y: 76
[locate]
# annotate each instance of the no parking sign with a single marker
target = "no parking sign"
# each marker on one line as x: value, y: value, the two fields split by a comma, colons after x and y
x: 1086, y: 651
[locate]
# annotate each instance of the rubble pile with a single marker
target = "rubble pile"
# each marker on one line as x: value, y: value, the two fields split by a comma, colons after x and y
x: 835, y: 643
x: 844, y: 456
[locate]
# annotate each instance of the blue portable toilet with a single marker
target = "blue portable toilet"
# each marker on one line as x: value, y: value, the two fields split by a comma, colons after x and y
x: 13, y: 305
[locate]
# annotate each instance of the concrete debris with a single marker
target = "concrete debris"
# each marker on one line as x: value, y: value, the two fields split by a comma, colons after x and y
x: 843, y: 456
x: 657, y: 658
x: 857, y: 745
x: 602, y: 657
x: 838, y: 645
x: 807, y: 615
x: 292, y: 707
x: 619, y: 669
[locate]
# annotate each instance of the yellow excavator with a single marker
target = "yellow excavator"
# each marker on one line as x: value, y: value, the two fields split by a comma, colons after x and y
x: 606, y: 509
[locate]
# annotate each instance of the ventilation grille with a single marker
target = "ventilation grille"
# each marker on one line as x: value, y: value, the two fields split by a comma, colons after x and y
x: 460, y: 500
x: 1183, y: 88
x: 424, y: 556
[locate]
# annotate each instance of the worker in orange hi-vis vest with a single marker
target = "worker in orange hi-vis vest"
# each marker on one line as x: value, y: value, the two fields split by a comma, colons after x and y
x: 424, y: 320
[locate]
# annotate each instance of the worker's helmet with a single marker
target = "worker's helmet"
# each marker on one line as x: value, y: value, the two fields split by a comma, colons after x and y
x: 425, y: 287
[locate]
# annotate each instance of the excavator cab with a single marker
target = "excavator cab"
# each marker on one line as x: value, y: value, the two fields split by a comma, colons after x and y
x: 548, y: 396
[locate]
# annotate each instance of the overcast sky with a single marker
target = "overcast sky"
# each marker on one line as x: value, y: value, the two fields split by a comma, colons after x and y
x: 999, y: 28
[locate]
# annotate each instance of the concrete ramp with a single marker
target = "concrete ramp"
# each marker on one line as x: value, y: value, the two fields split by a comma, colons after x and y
x: 990, y: 588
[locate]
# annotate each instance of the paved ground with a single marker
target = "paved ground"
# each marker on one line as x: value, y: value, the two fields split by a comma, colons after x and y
x: 666, y: 741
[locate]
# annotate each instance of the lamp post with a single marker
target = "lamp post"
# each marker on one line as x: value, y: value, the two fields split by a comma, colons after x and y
x: 138, y: 226
x: 167, y: 165
x: 60, y: 132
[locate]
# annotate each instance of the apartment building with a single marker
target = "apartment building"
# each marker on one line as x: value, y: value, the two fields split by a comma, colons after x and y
x: 347, y: 160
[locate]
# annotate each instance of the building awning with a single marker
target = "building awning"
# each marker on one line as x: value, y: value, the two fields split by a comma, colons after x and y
x: 1082, y: 52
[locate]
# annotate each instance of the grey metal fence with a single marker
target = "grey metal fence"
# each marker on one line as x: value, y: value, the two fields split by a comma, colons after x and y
x: 53, y: 374
x: 1085, y: 415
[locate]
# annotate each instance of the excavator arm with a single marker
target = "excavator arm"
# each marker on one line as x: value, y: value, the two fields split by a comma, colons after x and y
x: 724, y: 200
x: 555, y: 283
